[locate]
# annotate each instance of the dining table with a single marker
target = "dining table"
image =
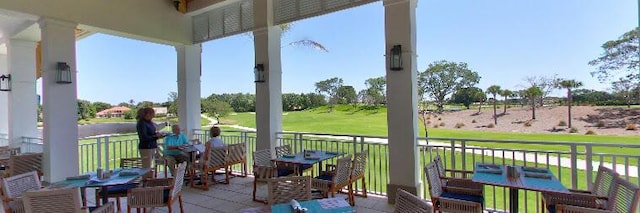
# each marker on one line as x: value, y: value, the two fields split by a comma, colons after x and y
x: 307, y: 157
x: 516, y: 178
x: 327, y: 205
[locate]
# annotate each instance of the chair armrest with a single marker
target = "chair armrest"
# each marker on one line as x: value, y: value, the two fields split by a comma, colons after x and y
x: 264, y: 172
x: 580, y: 191
x: 461, y: 190
x: 463, y: 183
x: 321, y: 185
x: 574, y: 199
x: 158, y: 182
x: 459, y: 173
x: 107, y: 208
x: 569, y: 208
x: 146, y: 196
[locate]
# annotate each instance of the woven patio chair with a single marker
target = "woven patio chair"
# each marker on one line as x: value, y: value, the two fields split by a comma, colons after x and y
x: 237, y: 154
x: 13, y: 187
x: 338, y: 180
x: 284, y: 189
x: 359, y: 165
x: 451, y: 199
x: 119, y: 191
x: 295, y: 168
x: 457, y: 178
x: 409, y: 203
x: 625, y: 197
x: 215, y: 158
x: 159, y: 162
x: 597, y: 197
x: 158, y: 192
x: 263, y: 170
x: 23, y: 163
x: 65, y: 200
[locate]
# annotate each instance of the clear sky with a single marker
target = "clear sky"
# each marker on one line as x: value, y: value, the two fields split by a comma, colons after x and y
x: 503, y: 40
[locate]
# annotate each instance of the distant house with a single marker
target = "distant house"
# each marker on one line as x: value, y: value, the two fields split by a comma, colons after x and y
x: 113, y: 112
x: 160, y: 110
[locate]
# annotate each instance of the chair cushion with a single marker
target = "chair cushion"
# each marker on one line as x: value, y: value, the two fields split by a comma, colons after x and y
x: 165, y: 195
x: 551, y: 208
x: 121, y: 189
x: 472, y: 198
x: 284, y: 172
x: 325, y: 177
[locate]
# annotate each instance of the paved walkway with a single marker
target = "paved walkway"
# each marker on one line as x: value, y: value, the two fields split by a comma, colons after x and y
x: 520, y: 156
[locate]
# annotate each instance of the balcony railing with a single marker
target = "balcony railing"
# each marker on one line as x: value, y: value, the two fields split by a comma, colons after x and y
x: 572, y: 163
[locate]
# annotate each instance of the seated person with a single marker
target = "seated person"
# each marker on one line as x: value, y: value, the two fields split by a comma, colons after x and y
x: 171, y: 151
x: 215, y: 141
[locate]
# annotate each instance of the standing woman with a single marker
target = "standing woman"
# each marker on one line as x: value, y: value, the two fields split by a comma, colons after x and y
x: 147, y: 135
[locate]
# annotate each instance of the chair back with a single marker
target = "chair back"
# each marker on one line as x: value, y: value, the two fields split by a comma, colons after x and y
x: 54, y: 200
x: 217, y: 157
x: 343, y: 171
x: 178, y: 181
x: 359, y: 164
x: 283, y: 150
x: 284, y: 189
x: 15, y: 186
x: 605, y: 179
x: 236, y: 153
x: 262, y: 158
x: 20, y: 164
x: 130, y: 163
x: 626, y: 197
x: 409, y: 203
x: 433, y: 177
x: 6, y: 151
x: 439, y: 166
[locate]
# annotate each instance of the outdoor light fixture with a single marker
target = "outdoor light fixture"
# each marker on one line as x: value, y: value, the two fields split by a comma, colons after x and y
x: 63, y: 73
x: 395, y: 62
x: 5, y: 82
x: 258, y: 71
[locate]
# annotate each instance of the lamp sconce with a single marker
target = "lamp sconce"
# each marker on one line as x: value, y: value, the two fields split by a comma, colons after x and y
x: 395, y: 62
x: 258, y: 71
x: 5, y: 82
x: 63, y: 75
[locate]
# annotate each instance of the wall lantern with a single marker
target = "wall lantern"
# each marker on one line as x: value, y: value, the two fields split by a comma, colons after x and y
x: 395, y: 62
x: 5, y: 82
x: 63, y: 75
x: 258, y: 71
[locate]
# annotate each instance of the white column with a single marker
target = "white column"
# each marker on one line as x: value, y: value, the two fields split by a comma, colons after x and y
x: 23, y: 104
x: 60, y: 115
x: 189, y: 70
x: 402, y: 98
x: 269, y: 93
x: 4, y: 105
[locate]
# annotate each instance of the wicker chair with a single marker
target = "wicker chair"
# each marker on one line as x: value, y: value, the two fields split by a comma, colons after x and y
x: 597, y: 197
x: 625, y: 197
x: 359, y: 165
x: 409, y: 203
x: 237, y: 154
x: 158, y: 192
x: 284, y: 189
x: 215, y: 158
x: 66, y: 200
x: 263, y: 170
x: 121, y: 190
x: 23, y: 163
x: 451, y: 199
x: 337, y: 180
x: 298, y: 169
x: 160, y: 162
x: 13, y: 187
x: 457, y: 178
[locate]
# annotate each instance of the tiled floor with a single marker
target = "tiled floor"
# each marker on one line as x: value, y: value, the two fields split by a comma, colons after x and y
x: 237, y: 196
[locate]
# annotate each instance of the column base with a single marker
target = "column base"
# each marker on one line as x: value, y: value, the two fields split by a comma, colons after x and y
x: 392, y: 188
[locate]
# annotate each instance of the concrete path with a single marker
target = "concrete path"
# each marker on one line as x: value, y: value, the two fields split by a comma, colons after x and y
x: 520, y: 156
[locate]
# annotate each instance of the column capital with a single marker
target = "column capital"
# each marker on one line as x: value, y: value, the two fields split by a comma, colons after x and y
x: 46, y: 22
x: 21, y: 43
x: 388, y: 3
x: 182, y: 47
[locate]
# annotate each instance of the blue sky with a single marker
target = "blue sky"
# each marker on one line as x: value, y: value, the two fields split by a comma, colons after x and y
x: 503, y: 40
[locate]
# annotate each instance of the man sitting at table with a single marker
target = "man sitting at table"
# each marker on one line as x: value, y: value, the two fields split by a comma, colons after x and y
x: 171, y: 151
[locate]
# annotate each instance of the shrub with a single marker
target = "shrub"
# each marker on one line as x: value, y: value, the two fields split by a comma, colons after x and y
x: 562, y: 123
x: 459, y: 125
x: 527, y: 124
x: 491, y: 125
x: 442, y: 124
x: 429, y: 117
x: 573, y: 130
x: 590, y: 132
x: 474, y: 121
x: 435, y: 126
x: 631, y: 127
x: 601, y: 124
x: 440, y: 118
x: 428, y: 122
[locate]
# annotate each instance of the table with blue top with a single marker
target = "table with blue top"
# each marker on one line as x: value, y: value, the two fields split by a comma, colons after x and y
x: 528, y: 178
x: 327, y: 205
x: 308, y: 157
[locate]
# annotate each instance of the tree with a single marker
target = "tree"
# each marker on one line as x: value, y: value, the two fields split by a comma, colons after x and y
x: 329, y: 87
x: 532, y: 93
x: 480, y: 95
x: 99, y: 106
x: 466, y: 96
x: 506, y: 94
x: 494, y: 90
x: 86, y: 111
x: 620, y: 54
x: 443, y: 78
x: 378, y: 84
x: 623, y: 88
x: 346, y: 95
x: 546, y: 84
x: 216, y: 108
x: 173, y: 103
x: 569, y: 85
x: 145, y: 104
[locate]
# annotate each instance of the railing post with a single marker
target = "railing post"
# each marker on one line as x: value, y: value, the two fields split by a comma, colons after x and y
x: 589, y: 159
x: 106, y: 153
x: 98, y: 153
x: 453, y: 154
x: 355, y: 143
x: 362, y: 144
x: 574, y: 166
x: 463, y: 152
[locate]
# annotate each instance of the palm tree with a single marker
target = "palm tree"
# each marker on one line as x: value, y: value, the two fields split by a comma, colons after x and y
x: 494, y: 90
x: 532, y: 93
x: 480, y: 96
x: 506, y: 94
x: 569, y: 84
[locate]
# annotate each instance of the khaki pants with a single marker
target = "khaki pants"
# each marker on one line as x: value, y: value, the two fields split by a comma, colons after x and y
x: 147, y: 159
x: 173, y: 159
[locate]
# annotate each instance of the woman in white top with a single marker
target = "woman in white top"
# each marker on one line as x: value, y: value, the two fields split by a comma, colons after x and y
x: 214, y: 132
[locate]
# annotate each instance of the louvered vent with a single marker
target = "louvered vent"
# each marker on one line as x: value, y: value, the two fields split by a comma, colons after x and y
x: 293, y: 10
x: 228, y: 20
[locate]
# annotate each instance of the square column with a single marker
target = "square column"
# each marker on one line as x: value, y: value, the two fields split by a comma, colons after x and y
x: 268, y: 93
x: 23, y: 103
x: 4, y: 106
x: 189, y: 69
x: 60, y: 114
x: 402, y: 98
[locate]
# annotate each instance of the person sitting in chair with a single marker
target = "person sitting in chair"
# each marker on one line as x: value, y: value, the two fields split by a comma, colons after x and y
x: 171, y: 151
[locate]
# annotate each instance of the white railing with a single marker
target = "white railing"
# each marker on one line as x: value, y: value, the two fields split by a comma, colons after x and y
x: 568, y: 161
